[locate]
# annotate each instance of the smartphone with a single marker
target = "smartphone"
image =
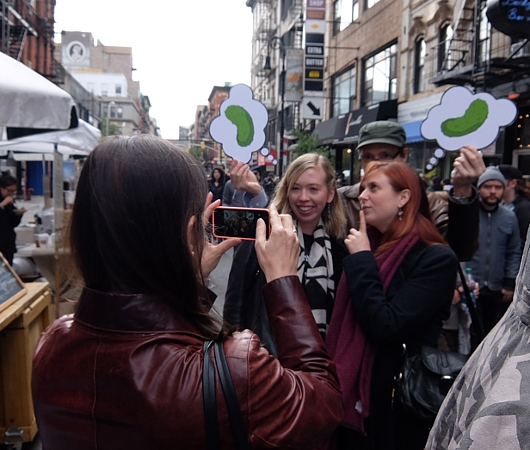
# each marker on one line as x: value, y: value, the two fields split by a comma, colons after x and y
x: 230, y: 222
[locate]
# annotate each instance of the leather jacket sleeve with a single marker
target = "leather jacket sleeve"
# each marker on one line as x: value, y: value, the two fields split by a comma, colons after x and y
x: 350, y: 201
x: 463, y: 227
x: 293, y: 401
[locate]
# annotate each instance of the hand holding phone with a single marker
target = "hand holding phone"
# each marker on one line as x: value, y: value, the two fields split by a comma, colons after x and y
x: 230, y: 222
x: 212, y: 254
x: 278, y: 255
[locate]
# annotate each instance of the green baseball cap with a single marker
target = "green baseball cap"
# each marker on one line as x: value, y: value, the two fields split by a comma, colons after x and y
x: 382, y: 132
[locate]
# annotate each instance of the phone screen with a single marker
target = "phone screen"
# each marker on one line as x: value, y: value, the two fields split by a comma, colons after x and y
x: 238, y: 222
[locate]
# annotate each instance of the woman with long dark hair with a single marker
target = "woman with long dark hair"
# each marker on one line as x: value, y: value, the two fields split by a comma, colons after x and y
x: 10, y: 216
x: 217, y: 182
x: 396, y: 289
x: 125, y: 370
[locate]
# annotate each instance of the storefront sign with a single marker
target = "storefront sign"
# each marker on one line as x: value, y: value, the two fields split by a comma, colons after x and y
x: 315, y: 29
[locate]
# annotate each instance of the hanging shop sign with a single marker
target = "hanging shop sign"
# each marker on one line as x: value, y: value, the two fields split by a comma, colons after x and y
x: 511, y: 17
x: 294, y: 68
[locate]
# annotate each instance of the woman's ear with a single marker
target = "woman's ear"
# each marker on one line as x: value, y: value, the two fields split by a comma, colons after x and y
x: 331, y: 195
x: 191, y: 235
x: 404, y: 197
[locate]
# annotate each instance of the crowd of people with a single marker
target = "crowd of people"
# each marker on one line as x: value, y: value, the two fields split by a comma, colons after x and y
x: 349, y: 277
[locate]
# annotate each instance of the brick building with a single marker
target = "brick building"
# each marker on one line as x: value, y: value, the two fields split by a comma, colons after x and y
x: 388, y: 59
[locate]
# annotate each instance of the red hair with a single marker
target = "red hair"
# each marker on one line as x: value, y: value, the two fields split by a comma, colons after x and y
x: 416, y: 215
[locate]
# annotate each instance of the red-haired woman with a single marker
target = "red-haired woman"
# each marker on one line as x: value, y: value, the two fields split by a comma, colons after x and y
x: 396, y: 289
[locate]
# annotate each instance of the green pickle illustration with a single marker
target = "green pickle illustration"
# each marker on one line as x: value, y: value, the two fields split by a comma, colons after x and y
x: 472, y: 120
x: 243, y: 121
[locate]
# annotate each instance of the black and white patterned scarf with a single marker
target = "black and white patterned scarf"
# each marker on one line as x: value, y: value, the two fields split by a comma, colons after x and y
x: 315, y: 271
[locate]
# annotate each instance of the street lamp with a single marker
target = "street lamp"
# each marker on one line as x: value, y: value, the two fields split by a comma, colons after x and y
x: 111, y: 104
x: 275, y: 43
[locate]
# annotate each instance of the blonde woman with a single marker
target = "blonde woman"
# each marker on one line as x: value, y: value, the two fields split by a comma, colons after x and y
x: 307, y: 192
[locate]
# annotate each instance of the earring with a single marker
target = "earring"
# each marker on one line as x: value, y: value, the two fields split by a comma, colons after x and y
x: 400, y: 213
x: 329, y: 212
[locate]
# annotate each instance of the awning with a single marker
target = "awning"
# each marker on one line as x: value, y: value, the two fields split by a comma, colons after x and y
x: 23, y: 156
x: 346, y: 128
x: 330, y: 130
x: 412, y: 129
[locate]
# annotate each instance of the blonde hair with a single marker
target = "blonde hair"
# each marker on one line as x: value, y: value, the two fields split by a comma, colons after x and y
x: 335, y: 224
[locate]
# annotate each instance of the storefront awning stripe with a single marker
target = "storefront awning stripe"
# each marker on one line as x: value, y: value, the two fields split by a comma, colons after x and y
x: 412, y: 129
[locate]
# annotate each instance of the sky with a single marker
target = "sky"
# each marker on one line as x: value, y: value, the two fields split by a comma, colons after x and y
x: 181, y: 48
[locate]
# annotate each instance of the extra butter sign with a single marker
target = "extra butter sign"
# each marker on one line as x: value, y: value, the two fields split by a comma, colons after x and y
x: 511, y: 17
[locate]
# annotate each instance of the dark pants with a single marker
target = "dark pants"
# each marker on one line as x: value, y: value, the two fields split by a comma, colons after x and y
x: 490, y: 307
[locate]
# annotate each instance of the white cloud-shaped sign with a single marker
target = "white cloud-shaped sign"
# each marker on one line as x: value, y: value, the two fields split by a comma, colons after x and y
x: 241, y: 126
x: 463, y: 118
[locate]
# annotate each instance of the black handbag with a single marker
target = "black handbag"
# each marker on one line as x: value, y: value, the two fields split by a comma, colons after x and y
x: 426, y: 377
x: 210, y: 403
x: 425, y: 380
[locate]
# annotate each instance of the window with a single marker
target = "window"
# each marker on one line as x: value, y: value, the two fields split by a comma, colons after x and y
x: 380, y: 79
x: 446, y: 34
x: 119, y: 112
x: 345, y: 12
x: 419, y: 64
x: 104, y: 89
x: 484, y: 36
x: 118, y: 89
x: 370, y: 3
x: 286, y: 5
x: 112, y: 111
x: 344, y: 86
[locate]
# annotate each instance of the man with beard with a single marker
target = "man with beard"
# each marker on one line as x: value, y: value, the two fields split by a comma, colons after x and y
x: 496, y: 262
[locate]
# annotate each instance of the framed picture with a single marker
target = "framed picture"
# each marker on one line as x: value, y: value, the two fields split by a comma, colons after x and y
x: 11, y: 286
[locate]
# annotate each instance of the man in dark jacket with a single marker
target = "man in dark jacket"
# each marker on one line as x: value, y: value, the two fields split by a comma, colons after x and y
x: 515, y: 198
x: 458, y: 221
x: 496, y: 262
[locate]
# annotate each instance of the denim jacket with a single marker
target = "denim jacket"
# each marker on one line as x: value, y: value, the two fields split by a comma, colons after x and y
x: 496, y: 261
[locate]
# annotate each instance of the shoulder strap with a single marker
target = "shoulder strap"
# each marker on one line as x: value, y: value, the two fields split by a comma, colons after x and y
x: 209, y: 400
x: 232, y: 403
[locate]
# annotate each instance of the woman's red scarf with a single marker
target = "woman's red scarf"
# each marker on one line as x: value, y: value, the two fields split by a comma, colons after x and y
x: 349, y: 347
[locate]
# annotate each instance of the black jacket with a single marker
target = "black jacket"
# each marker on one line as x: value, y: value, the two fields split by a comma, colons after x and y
x: 8, y: 221
x: 244, y: 304
x: 410, y: 312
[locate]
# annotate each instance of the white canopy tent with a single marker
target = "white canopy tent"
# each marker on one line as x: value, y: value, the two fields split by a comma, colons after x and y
x: 75, y: 141
x: 55, y: 146
x: 28, y: 100
x: 29, y: 104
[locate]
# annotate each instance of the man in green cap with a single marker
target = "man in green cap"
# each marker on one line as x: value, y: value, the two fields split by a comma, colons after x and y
x: 458, y: 219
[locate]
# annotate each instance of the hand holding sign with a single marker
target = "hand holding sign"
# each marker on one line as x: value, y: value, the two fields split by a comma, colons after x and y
x: 463, y: 118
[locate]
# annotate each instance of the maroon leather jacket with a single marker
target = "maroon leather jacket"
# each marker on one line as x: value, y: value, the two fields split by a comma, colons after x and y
x: 125, y: 372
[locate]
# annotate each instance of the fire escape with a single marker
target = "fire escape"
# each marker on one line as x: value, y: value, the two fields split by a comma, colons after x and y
x: 477, y: 54
x: 20, y: 23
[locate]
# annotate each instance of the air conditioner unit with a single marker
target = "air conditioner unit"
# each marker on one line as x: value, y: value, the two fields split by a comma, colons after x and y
x: 524, y: 51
